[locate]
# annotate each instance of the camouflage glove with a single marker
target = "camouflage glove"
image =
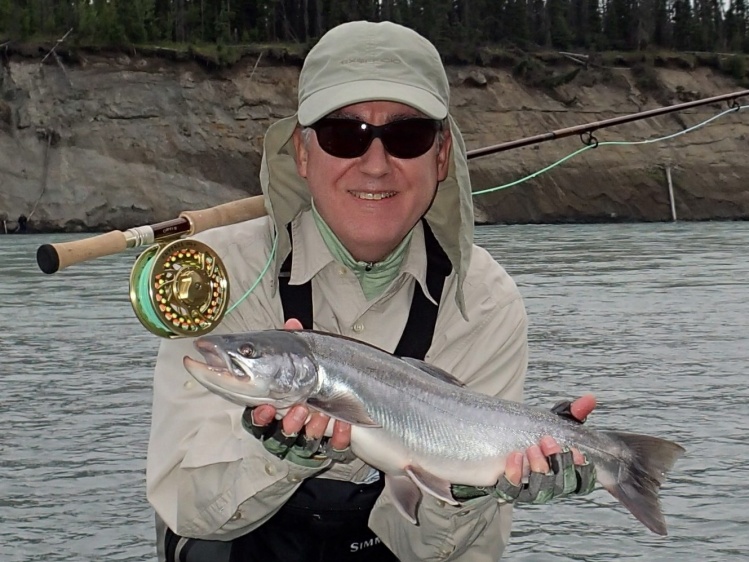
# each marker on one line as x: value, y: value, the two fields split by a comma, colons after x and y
x: 563, y: 479
x: 563, y: 409
x: 296, y: 448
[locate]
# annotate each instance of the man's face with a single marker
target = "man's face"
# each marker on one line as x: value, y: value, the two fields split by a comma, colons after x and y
x: 372, y: 201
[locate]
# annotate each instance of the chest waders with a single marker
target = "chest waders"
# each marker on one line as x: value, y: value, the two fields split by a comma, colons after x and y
x: 325, y: 520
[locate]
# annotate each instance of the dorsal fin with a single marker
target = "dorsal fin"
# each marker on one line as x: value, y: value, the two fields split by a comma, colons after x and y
x: 433, y: 371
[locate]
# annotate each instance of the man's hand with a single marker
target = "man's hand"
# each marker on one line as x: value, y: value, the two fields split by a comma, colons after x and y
x: 569, y: 472
x: 554, y: 472
x: 537, y: 454
x: 298, y: 435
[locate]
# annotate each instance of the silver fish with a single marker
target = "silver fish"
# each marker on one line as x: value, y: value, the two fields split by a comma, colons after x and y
x: 415, y: 422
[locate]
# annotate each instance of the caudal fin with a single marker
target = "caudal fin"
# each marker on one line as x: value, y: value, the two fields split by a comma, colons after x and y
x: 638, y: 482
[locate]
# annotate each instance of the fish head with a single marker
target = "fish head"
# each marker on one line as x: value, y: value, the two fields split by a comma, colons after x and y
x: 268, y: 367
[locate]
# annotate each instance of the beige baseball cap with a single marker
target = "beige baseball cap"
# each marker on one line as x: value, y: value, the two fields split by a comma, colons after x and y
x: 365, y: 61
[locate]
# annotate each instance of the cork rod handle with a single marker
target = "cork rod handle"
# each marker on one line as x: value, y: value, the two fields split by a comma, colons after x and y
x: 51, y: 258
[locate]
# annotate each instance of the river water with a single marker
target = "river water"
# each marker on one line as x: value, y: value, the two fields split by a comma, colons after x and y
x: 652, y: 318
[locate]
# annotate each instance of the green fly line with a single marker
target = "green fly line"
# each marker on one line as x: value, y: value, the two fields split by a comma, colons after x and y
x: 143, y: 286
x: 606, y: 143
x: 262, y: 273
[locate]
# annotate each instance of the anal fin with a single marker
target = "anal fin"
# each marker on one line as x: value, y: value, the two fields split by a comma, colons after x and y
x: 431, y: 484
x: 405, y: 495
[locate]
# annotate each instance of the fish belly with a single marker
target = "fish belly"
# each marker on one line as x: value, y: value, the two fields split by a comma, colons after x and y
x: 387, y: 453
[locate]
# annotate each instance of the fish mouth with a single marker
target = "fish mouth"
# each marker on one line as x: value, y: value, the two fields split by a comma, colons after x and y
x: 222, y: 373
x: 216, y: 359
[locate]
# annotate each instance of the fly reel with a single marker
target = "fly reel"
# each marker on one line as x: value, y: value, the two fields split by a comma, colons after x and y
x: 179, y: 289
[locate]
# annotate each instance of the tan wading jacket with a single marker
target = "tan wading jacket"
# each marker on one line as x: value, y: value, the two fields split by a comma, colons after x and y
x: 208, y: 478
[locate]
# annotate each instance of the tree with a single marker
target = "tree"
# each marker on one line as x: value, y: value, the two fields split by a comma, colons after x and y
x: 457, y: 27
x: 661, y: 32
x: 131, y: 16
x: 559, y: 33
x: 736, y: 25
x: 683, y: 25
x: 6, y: 15
x: 516, y: 21
x: 540, y: 23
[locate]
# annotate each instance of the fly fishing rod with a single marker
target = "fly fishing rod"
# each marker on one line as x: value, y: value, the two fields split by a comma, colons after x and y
x: 185, y: 281
x: 590, y: 128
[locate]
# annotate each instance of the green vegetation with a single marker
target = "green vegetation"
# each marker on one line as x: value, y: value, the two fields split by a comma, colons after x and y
x: 463, y: 30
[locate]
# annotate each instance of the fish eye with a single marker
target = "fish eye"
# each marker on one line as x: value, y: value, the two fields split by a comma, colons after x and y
x: 246, y: 350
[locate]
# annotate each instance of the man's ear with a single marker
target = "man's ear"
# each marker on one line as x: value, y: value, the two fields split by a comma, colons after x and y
x: 443, y: 156
x: 301, y: 152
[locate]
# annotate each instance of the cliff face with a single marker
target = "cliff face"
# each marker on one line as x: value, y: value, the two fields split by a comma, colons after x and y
x: 115, y: 142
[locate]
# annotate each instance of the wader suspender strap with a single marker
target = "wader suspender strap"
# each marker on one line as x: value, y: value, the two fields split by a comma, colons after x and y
x: 422, y: 317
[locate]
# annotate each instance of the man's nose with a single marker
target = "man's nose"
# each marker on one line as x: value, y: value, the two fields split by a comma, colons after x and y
x: 375, y: 160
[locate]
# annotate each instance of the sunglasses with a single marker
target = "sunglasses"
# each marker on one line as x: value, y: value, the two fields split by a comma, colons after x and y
x: 349, y: 138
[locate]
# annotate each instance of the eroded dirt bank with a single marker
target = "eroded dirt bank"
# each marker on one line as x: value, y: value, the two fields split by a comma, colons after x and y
x: 117, y: 141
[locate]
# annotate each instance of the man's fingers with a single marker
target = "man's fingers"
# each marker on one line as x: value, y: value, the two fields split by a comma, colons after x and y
x: 341, y: 436
x: 292, y: 324
x: 583, y: 406
x: 263, y: 415
x: 514, y: 468
x: 549, y: 446
x: 577, y: 457
x: 315, y: 427
x: 536, y: 459
x: 294, y: 420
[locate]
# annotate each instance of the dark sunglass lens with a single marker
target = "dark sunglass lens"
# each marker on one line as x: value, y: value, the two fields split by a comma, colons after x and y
x: 349, y: 138
x: 343, y: 138
x: 409, y: 138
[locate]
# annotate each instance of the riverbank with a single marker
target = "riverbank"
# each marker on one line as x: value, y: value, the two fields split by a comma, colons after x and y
x: 114, y: 140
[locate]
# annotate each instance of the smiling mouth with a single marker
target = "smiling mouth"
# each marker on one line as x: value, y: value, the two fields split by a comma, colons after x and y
x: 369, y: 196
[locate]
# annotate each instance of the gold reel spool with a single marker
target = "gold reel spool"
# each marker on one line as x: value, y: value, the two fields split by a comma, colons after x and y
x: 180, y: 289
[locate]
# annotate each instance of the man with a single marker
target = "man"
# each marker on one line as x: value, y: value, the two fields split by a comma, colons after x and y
x: 369, y: 235
x: 22, y: 224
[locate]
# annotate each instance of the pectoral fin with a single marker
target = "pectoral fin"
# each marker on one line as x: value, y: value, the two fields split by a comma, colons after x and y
x: 344, y: 407
x: 431, y: 484
x: 405, y: 495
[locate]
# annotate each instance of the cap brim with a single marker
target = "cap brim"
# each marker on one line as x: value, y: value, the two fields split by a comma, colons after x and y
x: 322, y: 102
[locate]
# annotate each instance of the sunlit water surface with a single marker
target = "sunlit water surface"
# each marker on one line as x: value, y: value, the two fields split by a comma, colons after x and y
x: 654, y: 319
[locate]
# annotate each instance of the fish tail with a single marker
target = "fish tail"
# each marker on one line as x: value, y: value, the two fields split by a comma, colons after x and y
x: 640, y: 477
